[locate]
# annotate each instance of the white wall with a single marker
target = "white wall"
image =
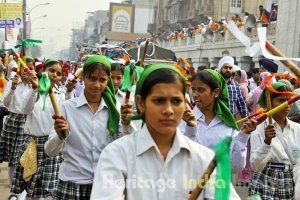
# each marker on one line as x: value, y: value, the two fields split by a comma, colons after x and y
x: 143, y: 16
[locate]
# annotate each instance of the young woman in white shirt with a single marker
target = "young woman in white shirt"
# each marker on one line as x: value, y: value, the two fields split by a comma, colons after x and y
x: 157, y: 162
x: 92, y: 121
x: 38, y: 126
x: 214, y: 119
x: 275, y: 149
x: 12, y: 136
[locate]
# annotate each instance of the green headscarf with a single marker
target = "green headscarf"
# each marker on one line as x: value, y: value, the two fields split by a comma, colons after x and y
x: 45, y: 82
x: 108, y: 94
x: 129, y: 69
x: 262, y: 97
x: 221, y: 103
x: 149, y: 70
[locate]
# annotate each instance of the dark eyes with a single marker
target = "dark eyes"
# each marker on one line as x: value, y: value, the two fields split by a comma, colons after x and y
x: 200, y: 90
x: 102, y: 80
x: 174, y: 101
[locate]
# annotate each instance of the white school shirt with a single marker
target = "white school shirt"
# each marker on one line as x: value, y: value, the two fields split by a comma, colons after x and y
x: 135, y: 160
x: 13, y: 100
x: 120, y: 97
x: 39, y: 122
x: 284, y: 148
x: 87, y: 138
x: 210, y: 135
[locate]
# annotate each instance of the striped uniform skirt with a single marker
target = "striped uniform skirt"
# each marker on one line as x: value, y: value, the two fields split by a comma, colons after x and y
x: 43, y: 183
x: 12, y: 138
x: 66, y: 190
x: 273, y: 184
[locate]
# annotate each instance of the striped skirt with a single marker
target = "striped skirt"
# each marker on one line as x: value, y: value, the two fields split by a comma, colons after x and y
x: 66, y: 190
x: 273, y: 184
x: 12, y: 138
x: 43, y: 183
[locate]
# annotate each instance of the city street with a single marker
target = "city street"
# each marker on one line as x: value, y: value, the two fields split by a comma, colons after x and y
x: 4, y: 186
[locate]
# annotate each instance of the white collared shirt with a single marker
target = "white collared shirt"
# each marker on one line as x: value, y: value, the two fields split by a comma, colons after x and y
x: 39, y: 122
x: 210, y: 135
x: 87, y: 138
x: 13, y: 100
x: 284, y: 147
x: 135, y: 160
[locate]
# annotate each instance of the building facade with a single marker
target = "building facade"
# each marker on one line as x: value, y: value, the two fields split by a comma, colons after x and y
x: 284, y: 32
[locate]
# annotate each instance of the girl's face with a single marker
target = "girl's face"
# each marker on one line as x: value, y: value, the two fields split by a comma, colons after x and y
x: 54, y: 73
x: 204, y: 97
x: 117, y: 78
x: 24, y: 72
x: 163, y: 107
x: 95, y: 83
x: 276, y: 101
x: 237, y: 78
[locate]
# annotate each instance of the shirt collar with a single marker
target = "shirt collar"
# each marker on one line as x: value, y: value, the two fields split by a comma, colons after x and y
x: 81, y: 100
x: 119, y: 93
x: 289, y: 124
x: 146, y: 142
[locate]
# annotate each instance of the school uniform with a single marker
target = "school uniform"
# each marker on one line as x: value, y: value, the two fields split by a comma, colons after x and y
x: 39, y: 125
x: 210, y: 135
x: 12, y: 136
x: 273, y: 164
x: 132, y: 168
x: 88, y: 135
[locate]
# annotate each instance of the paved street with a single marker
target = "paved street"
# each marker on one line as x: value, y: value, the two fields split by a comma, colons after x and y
x: 4, y: 186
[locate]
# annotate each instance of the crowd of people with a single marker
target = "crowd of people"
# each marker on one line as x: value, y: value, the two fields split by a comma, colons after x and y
x: 131, y: 132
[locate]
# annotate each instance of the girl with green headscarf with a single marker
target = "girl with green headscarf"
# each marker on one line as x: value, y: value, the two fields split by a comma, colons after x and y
x: 275, y: 149
x: 38, y: 127
x: 12, y: 136
x: 159, y: 154
x: 92, y: 121
x: 213, y: 119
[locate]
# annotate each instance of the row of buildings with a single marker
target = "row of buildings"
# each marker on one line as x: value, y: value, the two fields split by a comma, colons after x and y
x: 171, y: 15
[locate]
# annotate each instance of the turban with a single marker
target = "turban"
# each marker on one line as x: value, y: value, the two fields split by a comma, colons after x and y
x: 225, y: 60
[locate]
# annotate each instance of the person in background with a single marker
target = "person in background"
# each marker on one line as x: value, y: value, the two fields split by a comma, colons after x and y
x: 254, y: 80
x: 273, y: 13
x: 236, y: 100
x: 275, y: 149
x: 86, y: 136
x: 267, y: 65
x: 37, y: 128
x: 241, y: 78
x: 12, y: 136
x: 263, y: 14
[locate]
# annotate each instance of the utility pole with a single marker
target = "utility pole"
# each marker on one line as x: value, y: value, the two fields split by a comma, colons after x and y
x: 24, y: 19
x: 5, y: 29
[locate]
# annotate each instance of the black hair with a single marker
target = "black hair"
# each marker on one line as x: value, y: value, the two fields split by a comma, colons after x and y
x: 206, y: 78
x: 239, y: 73
x: 255, y: 70
x: 161, y: 76
x: 283, y: 88
x: 117, y: 67
x: 87, y: 71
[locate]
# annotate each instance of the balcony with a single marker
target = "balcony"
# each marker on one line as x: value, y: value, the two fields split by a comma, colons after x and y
x: 217, y: 38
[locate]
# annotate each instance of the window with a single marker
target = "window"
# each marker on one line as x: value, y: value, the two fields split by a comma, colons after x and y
x: 236, y: 6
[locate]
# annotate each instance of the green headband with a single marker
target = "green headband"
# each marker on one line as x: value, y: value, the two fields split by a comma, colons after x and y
x: 262, y: 97
x: 149, y: 70
x: 108, y: 94
x: 145, y: 74
x: 50, y: 62
x: 221, y: 103
x: 92, y: 59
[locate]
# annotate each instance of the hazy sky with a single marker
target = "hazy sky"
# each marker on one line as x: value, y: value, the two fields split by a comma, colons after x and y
x: 62, y: 16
